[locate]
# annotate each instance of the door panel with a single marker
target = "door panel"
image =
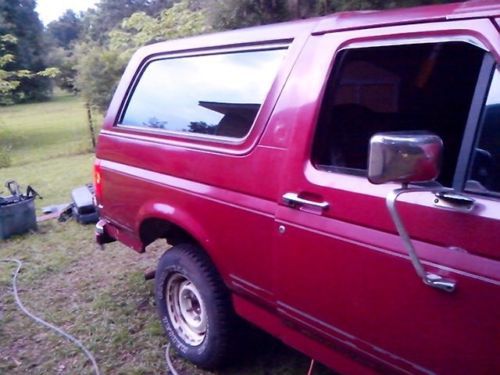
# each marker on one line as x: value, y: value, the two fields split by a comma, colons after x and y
x: 358, y: 287
x: 343, y: 273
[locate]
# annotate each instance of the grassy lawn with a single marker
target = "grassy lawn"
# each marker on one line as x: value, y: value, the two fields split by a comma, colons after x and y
x: 41, y: 131
x: 98, y: 296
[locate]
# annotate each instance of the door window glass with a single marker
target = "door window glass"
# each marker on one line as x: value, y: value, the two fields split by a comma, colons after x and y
x: 396, y: 88
x: 484, y: 174
x: 212, y: 94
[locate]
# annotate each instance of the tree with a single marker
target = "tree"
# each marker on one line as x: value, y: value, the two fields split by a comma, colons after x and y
x: 10, y: 80
x: 65, y: 61
x: 233, y: 14
x: 201, y: 127
x: 65, y: 30
x: 19, y: 19
x: 110, y: 13
x: 101, y: 66
x: 329, y: 6
x: 99, y: 70
x: 61, y: 36
x: 176, y: 22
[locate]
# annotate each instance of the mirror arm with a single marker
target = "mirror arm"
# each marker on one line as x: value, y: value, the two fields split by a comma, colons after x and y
x: 430, y: 279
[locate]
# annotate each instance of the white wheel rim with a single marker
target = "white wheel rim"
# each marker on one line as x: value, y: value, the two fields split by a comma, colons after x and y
x: 186, y: 310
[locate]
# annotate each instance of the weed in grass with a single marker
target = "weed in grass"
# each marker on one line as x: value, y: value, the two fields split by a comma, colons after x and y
x: 5, y: 159
x: 154, y: 328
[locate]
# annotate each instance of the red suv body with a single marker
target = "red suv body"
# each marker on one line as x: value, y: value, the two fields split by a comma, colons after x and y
x: 252, y: 145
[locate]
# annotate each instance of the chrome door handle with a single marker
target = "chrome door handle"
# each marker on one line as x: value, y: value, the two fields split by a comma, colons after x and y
x: 293, y: 200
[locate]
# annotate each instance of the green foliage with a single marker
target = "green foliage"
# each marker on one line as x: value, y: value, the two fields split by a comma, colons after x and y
x: 61, y: 36
x: 65, y: 61
x: 10, y: 80
x: 141, y: 29
x: 21, y: 53
x: 101, y: 66
x: 64, y: 31
x: 99, y: 70
x: 233, y: 14
x: 110, y: 13
x: 329, y: 6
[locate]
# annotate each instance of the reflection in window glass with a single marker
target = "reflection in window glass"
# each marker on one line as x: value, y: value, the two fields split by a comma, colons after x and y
x: 214, y: 94
x: 396, y: 88
x: 484, y: 175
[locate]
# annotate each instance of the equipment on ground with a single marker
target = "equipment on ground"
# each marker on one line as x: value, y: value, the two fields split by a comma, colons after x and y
x: 17, y: 210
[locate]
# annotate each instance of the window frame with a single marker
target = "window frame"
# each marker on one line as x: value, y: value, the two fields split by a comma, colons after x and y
x: 472, y: 125
x: 186, y: 136
x: 476, y: 130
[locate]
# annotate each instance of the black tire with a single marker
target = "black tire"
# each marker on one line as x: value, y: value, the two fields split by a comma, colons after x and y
x: 186, y: 273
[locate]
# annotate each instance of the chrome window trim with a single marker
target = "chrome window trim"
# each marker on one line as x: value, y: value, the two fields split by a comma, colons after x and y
x: 402, y: 41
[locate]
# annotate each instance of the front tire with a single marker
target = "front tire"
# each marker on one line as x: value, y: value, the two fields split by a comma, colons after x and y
x: 194, y: 306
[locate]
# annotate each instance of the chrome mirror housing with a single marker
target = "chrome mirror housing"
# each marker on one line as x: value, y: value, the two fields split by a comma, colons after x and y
x: 407, y: 157
x: 404, y: 157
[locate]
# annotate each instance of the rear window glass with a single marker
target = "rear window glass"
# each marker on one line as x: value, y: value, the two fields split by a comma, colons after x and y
x: 218, y: 95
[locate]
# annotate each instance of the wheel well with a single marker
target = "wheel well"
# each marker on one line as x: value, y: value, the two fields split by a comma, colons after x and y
x: 153, y: 229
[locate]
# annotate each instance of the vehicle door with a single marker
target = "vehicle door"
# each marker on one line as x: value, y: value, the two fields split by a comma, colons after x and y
x: 342, y: 272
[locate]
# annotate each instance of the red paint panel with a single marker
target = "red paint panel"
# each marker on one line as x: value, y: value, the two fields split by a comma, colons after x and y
x: 337, y: 285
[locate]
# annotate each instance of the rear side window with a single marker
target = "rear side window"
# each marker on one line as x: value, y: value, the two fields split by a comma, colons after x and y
x: 217, y: 95
x: 396, y: 88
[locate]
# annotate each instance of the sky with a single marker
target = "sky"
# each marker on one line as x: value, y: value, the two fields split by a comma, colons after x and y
x: 51, y: 10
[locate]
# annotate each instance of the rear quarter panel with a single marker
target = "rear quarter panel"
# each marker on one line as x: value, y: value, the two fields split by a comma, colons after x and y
x: 222, y: 192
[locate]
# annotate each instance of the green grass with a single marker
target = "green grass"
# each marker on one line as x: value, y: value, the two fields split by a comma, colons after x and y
x: 53, y: 178
x: 101, y: 297
x: 42, y: 131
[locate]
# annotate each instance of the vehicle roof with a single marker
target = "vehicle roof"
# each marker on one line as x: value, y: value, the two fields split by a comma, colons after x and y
x: 352, y: 20
x: 401, y: 16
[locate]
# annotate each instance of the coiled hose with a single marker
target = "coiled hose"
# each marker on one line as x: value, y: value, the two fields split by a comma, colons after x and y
x: 43, y: 322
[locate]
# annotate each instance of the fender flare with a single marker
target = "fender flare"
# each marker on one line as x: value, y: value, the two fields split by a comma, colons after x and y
x: 177, y: 216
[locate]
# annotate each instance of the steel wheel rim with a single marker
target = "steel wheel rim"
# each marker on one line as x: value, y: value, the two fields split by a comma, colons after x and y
x: 186, y: 309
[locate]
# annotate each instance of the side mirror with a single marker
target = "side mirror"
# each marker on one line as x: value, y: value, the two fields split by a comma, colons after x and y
x: 407, y: 157
x: 404, y: 157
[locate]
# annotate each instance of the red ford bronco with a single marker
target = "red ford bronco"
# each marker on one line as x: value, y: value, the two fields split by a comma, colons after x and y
x: 334, y: 181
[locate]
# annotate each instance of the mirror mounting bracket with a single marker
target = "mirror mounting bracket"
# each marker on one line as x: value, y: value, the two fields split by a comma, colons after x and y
x: 428, y: 278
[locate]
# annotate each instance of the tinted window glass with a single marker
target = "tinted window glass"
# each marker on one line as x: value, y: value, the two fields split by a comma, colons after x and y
x: 484, y: 176
x: 213, y: 94
x: 396, y: 88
